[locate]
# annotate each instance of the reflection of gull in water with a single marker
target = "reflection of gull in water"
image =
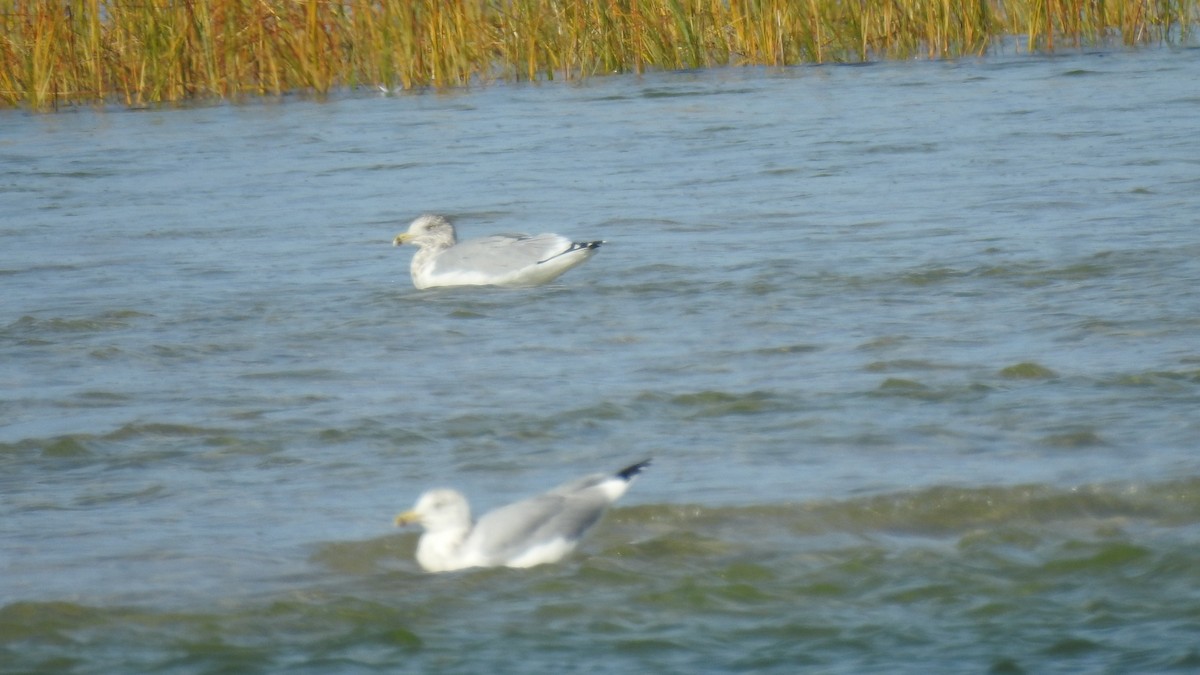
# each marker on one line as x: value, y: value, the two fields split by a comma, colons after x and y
x: 541, y: 529
x: 498, y: 260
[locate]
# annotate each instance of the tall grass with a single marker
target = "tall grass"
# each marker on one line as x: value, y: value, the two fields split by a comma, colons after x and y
x: 151, y: 51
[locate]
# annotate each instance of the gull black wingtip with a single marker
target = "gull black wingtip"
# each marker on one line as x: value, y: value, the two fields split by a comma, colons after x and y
x: 634, y: 469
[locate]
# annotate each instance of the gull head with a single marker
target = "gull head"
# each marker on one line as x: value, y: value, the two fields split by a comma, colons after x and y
x: 438, y: 510
x: 428, y: 230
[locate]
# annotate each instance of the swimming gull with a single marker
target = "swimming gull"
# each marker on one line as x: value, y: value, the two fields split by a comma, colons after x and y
x: 541, y: 529
x: 497, y: 260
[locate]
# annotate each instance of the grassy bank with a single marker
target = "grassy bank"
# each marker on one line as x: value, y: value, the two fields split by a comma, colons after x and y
x: 55, y: 52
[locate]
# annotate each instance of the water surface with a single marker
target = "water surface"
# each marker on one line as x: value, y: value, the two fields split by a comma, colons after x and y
x: 913, y: 346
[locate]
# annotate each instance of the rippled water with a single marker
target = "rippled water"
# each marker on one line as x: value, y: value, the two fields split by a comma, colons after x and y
x: 913, y: 346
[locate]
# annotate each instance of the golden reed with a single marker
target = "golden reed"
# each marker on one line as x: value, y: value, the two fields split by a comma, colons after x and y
x: 141, y: 52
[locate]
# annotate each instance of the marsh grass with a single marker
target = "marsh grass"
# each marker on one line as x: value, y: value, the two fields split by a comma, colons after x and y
x: 143, y: 52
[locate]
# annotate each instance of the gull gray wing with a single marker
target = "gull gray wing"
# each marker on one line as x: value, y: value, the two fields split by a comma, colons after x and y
x: 499, y: 254
x: 546, y: 527
x: 509, y: 531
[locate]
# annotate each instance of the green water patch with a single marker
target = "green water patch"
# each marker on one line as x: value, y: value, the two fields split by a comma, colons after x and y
x: 364, y: 557
x: 1089, y: 557
x: 96, y: 399
x: 1027, y: 274
x: 475, y: 426
x: 232, y: 638
x: 716, y: 403
x: 105, y: 497
x: 782, y: 350
x: 933, y: 512
x: 395, y: 438
x: 1035, y: 274
x: 679, y: 546
x: 904, y: 386
x: 155, y: 430
x: 69, y: 449
x: 1167, y: 380
x: 1073, y: 439
x: 304, y: 374
x: 137, y: 444
x: 30, y: 327
x: 906, y: 365
x: 909, y: 388
x: 931, y: 276
x: 65, y: 447
x: 1027, y: 370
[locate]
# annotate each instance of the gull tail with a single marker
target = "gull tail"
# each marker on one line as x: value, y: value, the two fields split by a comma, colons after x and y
x: 588, y: 247
x: 629, y: 472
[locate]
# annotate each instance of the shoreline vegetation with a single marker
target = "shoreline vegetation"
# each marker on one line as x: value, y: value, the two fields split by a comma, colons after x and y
x: 146, y: 52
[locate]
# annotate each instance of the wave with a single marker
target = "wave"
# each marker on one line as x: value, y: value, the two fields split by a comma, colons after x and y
x: 1011, y: 578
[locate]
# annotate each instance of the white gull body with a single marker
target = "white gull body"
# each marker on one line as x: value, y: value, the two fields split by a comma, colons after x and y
x: 534, y: 531
x: 496, y: 260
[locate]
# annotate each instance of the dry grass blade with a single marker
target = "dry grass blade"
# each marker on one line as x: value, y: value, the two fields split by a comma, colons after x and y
x: 56, y: 52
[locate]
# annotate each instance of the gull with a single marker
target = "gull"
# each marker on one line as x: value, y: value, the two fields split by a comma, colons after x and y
x: 496, y: 260
x: 533, y: 531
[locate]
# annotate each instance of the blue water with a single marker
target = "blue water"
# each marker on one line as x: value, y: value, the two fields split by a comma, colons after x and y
x: 913, y: 346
